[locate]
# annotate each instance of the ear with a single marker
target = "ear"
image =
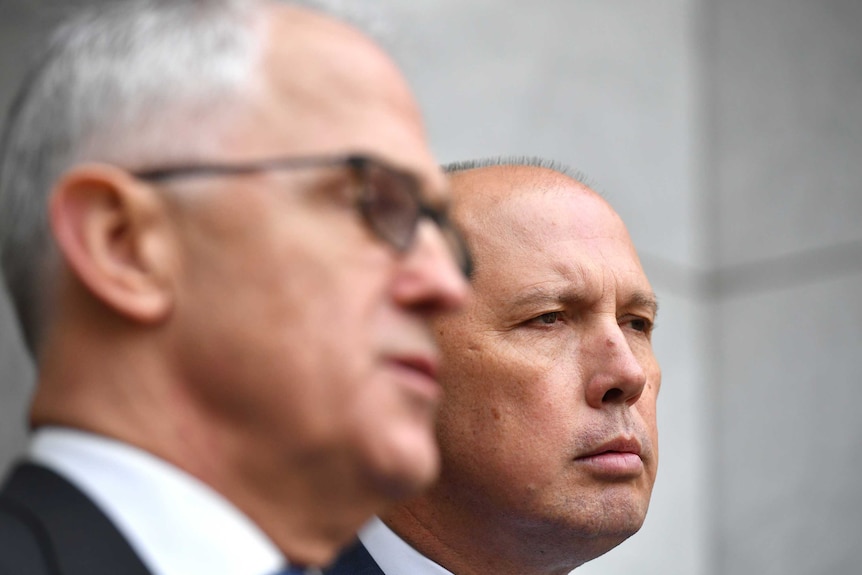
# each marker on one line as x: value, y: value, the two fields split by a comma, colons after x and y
x: 115, y: 236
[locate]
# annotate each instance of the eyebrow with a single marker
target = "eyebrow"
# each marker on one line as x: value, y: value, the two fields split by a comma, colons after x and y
x: 538, y: 294
x: 644, y: 299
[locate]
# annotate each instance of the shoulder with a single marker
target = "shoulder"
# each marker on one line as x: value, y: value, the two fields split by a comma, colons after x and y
x: 19, y: 539
x: 48, y: 526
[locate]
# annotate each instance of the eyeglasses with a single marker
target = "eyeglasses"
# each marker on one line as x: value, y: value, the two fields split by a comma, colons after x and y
x: 389, y: 199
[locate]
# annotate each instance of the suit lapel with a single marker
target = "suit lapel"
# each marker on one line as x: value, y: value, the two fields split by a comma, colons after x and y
x: 74, y: 534
x: 355, y: 561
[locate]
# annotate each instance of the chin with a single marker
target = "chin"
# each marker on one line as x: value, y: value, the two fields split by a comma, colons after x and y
x: 622, y: 519
x: 407, y: 469
x: 610, y: 515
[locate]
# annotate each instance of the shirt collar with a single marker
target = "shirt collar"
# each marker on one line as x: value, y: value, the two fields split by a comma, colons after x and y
x: 176, y: 524
x: 394, y: 555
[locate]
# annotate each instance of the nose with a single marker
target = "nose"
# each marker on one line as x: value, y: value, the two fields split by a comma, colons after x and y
x: 429, y: 278
x: 615, y: 375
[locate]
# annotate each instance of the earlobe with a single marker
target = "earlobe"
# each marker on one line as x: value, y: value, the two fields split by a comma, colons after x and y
x: 112, y: 232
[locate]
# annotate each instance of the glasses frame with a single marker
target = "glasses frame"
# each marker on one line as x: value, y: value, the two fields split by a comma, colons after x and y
x: 360, y: 164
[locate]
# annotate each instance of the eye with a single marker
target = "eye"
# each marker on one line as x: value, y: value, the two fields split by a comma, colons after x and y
x: 389, y: 206
x: 640, y: 324
x: 549, y: 318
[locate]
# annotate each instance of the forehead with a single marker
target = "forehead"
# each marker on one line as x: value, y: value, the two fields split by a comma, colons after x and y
x: 532, y: 229
x: 324, y: 88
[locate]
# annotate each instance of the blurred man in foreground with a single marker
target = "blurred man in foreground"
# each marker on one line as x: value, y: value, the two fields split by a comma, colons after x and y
x: 548, y: 425
x: 224, y: 236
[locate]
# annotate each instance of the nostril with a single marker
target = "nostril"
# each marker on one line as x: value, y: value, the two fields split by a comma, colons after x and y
x: 612, y: 395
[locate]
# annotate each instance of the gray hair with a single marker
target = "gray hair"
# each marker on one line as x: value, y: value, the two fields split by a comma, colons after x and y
x: 528, y: 161
x: 131, y: 83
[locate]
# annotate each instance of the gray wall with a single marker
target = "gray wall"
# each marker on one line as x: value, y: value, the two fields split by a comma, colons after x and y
x: 21, y: 24
x: 785, y: 186
x: 728, y: 134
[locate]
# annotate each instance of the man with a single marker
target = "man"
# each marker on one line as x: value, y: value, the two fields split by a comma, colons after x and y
x: 548, y: 424
x: 224, y: 235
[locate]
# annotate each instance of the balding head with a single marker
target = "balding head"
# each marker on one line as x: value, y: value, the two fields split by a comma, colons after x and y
x: 486, y: 194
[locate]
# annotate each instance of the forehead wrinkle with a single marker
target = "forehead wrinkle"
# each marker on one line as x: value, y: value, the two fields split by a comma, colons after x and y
x: 543, y: 293
x: 558, y: 286
x: 494, y: 207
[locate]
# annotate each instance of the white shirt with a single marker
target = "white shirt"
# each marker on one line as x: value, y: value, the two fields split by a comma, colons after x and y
x: 175, y: 523
x: 393, y: 555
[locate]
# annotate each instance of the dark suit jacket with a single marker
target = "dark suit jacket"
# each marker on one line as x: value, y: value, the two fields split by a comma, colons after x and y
x: 355, y: 560
x: 48, y: 527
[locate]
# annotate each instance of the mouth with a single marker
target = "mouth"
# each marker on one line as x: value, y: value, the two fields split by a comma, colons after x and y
x: 617, y: 458
x: 418, y: 374
x: 421, y: 363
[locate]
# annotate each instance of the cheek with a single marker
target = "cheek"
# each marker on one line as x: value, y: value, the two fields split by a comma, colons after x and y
x: 646, y: 408
x: 274, y: 334
x: 646, y: 405
x: 504, y: 419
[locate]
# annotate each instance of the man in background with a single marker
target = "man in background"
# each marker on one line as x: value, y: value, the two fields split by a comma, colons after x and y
x: 548, y: 425
x: 224, y: 235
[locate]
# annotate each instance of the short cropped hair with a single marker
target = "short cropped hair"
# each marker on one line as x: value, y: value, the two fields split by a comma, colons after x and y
x: 528, y: 161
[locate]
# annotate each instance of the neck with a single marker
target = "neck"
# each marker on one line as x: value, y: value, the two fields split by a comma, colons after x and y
x: 303, y: 505
x: 304, y: 508
x: 309, y: 510
x: 467, y: 541
x: 98, y: 374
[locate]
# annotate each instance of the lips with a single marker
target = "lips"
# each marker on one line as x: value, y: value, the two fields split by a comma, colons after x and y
x: 422, y: 363
x: 618, y: 458
x: 417, y: 373
x: 616, y: 445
